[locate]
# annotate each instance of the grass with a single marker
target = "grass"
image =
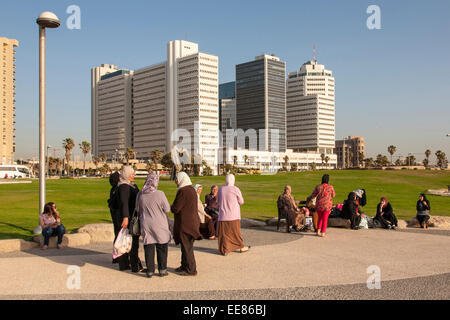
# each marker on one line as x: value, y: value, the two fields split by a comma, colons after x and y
x: 83, y: 201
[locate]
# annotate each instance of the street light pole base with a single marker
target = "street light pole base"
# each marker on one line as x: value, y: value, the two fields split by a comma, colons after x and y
x: 38, y: 230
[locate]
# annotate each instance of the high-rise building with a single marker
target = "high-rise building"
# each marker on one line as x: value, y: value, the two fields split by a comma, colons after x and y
x: 227, y: 106
x: 114, y: 125
x: 96, y: 74
x: 261, y: 99
x: 310, y: 109
x: 7, y: 99
x: 149, y: 110
x: 176, y: 94
x: 350, y: 152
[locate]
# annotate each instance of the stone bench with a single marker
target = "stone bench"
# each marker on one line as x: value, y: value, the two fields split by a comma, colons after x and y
x: 69, y: 240
x: 11, y: 245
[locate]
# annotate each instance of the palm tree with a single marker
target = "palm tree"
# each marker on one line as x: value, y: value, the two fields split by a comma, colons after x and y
x: 246, y: 159
x: 96, y: 161
x: 286, y: 161
x: 235, y: 160
x: 327, y: 158
x: 441, y: 160
x: 68, y: 145
x: 392, y: 149
x: 427, y: 155
x: 156, y: 156
x: 322, y: 156
x: 103, y: 157
x: 85, y: 149
x: 129, y: 154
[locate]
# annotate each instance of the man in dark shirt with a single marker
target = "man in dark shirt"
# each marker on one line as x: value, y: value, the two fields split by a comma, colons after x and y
x: 212, y: 206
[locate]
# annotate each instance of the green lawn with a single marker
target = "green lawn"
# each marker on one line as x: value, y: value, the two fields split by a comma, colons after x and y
x: 83, y: 201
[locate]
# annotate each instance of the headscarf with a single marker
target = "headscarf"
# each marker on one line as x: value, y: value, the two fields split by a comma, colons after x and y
x: 114, y: 179
x: 125, y: 175
x: 196, y: 188
x: 289, y: 197
x: 151, y: 183
x: 183, y: 179
x: 230, y: 179
x: 359, y: 193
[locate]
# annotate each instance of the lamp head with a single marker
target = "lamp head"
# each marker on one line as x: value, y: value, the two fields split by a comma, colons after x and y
x: 48, y: 20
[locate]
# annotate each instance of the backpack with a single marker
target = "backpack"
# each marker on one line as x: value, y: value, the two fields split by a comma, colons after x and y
x: 114, y: 199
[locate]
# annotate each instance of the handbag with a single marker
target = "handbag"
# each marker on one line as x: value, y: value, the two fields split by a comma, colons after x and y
x: 134, y: 225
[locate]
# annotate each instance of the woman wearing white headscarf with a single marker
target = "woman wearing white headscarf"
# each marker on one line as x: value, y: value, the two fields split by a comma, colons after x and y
x: 230, y: 199
x: 153, y: 207
x: 186, y: 226
x: 206, y: 223
x: 127, y: 196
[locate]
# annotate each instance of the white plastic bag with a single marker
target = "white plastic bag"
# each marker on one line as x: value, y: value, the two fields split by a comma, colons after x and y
x: 364, y: 223
x: 122, y: 244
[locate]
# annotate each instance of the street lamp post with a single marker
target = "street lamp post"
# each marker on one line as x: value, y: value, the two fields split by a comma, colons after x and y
x: 45, y: 20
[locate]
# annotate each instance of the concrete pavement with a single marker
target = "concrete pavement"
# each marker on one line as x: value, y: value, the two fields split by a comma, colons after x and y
x: 413, y: 265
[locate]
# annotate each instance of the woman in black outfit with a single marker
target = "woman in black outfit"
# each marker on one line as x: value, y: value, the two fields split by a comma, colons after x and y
x: 350, y: 210
x: 127, y: 195
x: 385, y: 214
x: 423, y: 209
x: 114, y: 205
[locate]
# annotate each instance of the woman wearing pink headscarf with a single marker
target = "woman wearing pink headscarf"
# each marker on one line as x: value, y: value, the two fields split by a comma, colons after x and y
x: 229, y: 226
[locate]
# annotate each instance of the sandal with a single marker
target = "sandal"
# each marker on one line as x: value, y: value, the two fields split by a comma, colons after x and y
x: 242, y: 251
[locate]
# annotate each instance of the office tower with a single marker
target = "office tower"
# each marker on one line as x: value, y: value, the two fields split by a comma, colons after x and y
x: 176, y: 94
x: 310, y: 109
x: 261, y: 99
x: 114, y: 125
x: 7, y: 99
x: 196, y: 97
x: 96, y: 74
x: 350, y: 152
x: 149, y: 110
x: 227, y: 106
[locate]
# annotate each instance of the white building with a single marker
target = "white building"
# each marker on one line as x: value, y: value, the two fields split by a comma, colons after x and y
x: 114, y: 113
x: 310, y: 109
x: 149, y: 110
x: 175, y: 94
x: 269, y: 162
x: 96, y: 74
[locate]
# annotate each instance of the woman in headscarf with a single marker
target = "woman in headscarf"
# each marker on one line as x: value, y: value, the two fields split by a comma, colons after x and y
x: 288, y: 207
x: 324, y: 194
x: 229, y: 225
x: 423, y: 211
x: 153, y: 207
x: 127, y: 198
x: 186, y: 223
x: 350, y: 210
x: 114, y: 205
x: 206, y: 223
x: 385, y: 214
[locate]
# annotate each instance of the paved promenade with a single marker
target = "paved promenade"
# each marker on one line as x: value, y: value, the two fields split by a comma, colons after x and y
x: 414, y: 264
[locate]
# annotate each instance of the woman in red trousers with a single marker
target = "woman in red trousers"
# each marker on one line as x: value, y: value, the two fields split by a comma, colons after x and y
x: 324, y: 194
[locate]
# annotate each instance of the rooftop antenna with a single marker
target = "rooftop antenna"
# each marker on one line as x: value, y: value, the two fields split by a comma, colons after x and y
x: 314, y: 53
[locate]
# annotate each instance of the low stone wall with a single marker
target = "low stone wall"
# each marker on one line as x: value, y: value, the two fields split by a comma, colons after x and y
x: 12, y: 245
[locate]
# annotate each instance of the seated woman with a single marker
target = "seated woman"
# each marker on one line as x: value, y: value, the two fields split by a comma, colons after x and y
x: 50, y: 222
x: 206, y: 222
x: 385, y: 215
x: 287, y: 207
x: 423, y: 209
x: 350, y: 210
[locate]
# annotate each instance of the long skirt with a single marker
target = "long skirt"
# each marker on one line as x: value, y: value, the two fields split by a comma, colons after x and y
x: 230, y: 237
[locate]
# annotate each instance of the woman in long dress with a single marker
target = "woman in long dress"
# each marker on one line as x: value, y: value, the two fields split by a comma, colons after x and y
x: 230, y: 199
x: 186, y: 227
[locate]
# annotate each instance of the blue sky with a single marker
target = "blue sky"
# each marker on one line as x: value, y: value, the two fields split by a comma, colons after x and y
x: 392, y: 85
